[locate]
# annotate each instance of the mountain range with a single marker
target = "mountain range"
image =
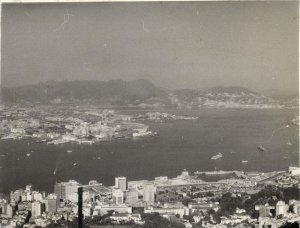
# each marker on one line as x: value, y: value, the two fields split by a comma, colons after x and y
x: 142, y: 93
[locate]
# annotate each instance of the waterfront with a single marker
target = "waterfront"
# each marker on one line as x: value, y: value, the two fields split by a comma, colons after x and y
x: 180, y: 144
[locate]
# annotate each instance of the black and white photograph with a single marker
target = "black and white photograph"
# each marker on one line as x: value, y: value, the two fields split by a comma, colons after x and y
x: 149, y: 114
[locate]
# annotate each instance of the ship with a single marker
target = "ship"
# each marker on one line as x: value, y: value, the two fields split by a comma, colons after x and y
x: 244, y: 161
x: 217, y: 156
x: 40, y: 141
x: 289, y: 143
x: 261, y: 148
x: 69, y: 151
x: 141, y: 133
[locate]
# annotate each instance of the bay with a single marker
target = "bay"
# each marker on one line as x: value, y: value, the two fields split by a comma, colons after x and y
x: 180, y: 144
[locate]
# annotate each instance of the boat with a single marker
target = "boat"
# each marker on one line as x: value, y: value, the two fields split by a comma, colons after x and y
x: 261, y: 148
x: 28, y: 154
x: 244, y: 161
x: 289, y: 143
x: 155, y: 133
x: 40, y: 141
x: 69, y: 151
x: 217, y: 156
x: 141, y: 133
x: 9, y: 137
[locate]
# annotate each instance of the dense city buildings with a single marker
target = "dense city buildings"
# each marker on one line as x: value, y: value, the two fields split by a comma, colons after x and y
x: 43, y: 124
x: 67, y: 190
x: 185, y: 200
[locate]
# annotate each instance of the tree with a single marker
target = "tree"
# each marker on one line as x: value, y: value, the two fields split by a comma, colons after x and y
x: 211, y: 211
x: 290, y: 225
x: 209, y: 194
x: 186, y: 201
x: 189, y: 218
x: 154, y: 220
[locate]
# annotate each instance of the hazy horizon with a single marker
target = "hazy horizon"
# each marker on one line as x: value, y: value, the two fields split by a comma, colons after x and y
x: 269, y: 92
x: 175, y: 45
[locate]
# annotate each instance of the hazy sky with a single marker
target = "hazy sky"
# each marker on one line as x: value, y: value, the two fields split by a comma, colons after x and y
x: 173, y: 44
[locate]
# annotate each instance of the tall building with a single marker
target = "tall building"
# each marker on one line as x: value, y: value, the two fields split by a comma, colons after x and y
x: 132, y: 196
x: 37, y: 209
x: 120, y: 182
x: 264, y: 210
x: 17, y: 195
x: 24, y: 197
x: 67, y: 190
x: 118, y: 196
x: 28, y: 188
x: 29, y: 196
x: 281, y: 208
x: 3, y: 204
x: 296, y: 206
x: 51, y: 203
x: 10, y: 210
x: 37, y: 196
x: 149, y: 193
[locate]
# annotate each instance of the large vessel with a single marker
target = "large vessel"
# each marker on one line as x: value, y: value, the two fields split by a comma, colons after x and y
x: 217, y: 156
x: 40, y: 141
x: 261, y: 148
x: 141, y: 133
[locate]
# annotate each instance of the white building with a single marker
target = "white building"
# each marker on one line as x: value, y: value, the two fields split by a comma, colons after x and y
x: 149, y: 193
x: 281, y: 208
x: 37, y: 196
x: 120, y: 182
x: 294, y: 171
x: 37, y: 209
x: 180, y: 211
x: 104, y: 209
x: 132, y: 196
x: 67, y: 190
x: 118, y: 196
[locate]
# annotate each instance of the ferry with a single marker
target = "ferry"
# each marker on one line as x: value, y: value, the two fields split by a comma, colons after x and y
x: 217, y: 156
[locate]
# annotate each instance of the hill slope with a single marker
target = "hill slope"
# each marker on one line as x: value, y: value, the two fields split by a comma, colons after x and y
x: 116, y: 92
x: 141, y: 93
